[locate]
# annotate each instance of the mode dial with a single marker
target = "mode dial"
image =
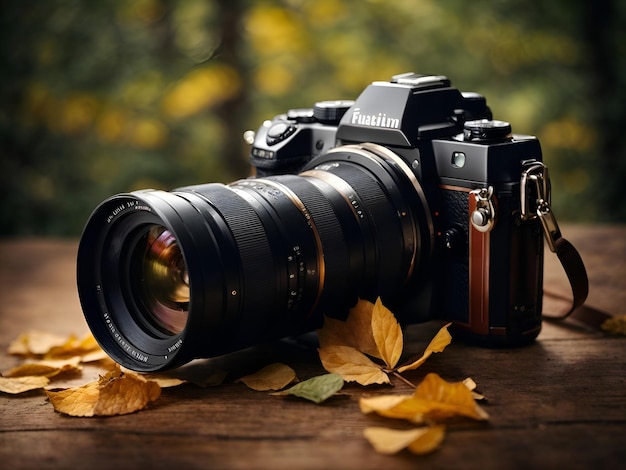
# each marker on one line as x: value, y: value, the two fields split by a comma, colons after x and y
x: 331, y: 112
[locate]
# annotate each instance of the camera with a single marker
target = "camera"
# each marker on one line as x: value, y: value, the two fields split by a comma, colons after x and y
x: 412, y: 192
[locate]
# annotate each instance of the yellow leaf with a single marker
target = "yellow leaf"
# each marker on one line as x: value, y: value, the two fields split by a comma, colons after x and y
x: 45, y: 368
x: 273, y: 377
x: 381, y: 402
x: 352, y: 365
x: 387, y: 334
x: 434, y: 400
x: 35, y: 343
x: 163, y: 380
x: 15, y: 385
x: 615, y: 325
x: 355, y: 331
x: 213, y: 379
x: 115, y: 393
x: 429, y: 441
x: 436, y: 345
x: 74, y: 347
x: 391, y: 441
x: 447, y: 399
x: 97, y: 355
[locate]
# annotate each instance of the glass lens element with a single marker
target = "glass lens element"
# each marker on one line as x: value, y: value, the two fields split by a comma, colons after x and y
x: 165, y: 281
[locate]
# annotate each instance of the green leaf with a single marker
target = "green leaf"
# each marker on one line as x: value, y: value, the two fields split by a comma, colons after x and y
x: 316, y: 389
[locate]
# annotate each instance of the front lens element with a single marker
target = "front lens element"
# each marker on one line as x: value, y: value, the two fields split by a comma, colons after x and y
x: 164, y: 281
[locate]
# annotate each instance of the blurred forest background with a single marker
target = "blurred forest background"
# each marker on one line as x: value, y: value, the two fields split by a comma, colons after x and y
x: 100, y: 97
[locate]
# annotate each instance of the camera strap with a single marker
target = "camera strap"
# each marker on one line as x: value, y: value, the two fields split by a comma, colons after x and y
x: 576, y: 274
x: 535, y: 204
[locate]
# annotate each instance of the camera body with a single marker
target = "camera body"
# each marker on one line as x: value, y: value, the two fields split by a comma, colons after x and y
x: 482, y: 261
x: 411, y: 193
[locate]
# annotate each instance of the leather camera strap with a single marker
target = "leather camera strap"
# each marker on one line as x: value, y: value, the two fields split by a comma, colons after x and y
x: 535, y: 204
x: 576, y: 274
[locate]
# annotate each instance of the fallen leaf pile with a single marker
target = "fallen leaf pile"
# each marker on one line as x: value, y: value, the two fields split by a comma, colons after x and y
x: 433, y: 402
x: 277, y: 376
x: 49, y: 356
x: 370, y: 331
x: 366, y: 348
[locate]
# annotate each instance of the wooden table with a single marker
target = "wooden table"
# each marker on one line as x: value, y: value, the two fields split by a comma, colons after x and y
x: 559, y: 403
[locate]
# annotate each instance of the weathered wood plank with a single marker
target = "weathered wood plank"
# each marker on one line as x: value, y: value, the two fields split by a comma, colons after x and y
x: 559, y: 402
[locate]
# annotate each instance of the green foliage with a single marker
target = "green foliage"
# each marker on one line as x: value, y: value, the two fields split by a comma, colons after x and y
x: 104, y: 97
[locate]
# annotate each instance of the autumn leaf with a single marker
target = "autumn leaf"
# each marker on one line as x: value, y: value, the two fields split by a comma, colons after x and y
x: 162, y: 380
x: 345, y: 346
x: 84, y: 346
x: 17, y: 385
x: 387, y: 334
x: 273, y: 377
x: 352, y: 365
x: 35, y: 343
x: 355, y: 331
x: 615, y: 325
x: 317, y: 389
x: 213, y: 379
x: 115, y: 393
x: 420, y: 441
x: 436, y: 345
x: 433, y: 400
x: 45, y: 368
x: 52, y: 346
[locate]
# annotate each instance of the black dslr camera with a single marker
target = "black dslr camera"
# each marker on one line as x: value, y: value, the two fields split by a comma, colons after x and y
x: 412, y: 193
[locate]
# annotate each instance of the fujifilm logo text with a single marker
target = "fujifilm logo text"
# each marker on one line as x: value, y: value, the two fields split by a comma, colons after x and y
x: 374, y: 120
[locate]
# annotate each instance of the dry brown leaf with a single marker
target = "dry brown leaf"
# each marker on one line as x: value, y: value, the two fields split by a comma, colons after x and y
x: 35, y: 343
x: 436, y: 345
x: 387, y: 334
x: 52, y: 346
x: 74, y: 346
x: 115, y: 393
x: 420, y: 441
x: 355, y: 331
x: 434, y: 400
x: 454, y: 398
x: 615, y: 325
x: 352, y: 365
x: 381, y: 402
x: 16, y: 385
x: 214, y: 379
x: 45, y: 368
x: 273, y: 377
x: 98, y: 355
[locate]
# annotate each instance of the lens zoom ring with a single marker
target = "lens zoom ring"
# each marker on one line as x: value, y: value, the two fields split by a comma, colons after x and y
x: 321, y: 211
x: 249, y: 234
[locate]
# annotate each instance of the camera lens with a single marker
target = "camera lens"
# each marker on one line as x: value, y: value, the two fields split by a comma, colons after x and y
x: 166, y: 277
x: 164, y: 280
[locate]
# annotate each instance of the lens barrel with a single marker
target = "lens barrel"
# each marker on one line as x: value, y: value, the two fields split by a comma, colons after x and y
x: 166, y: 277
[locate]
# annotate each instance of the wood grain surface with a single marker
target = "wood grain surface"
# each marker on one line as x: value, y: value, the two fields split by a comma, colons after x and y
x: 559, y: 403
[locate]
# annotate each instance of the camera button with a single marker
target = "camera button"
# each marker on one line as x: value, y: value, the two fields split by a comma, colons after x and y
x: 279, y: 132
